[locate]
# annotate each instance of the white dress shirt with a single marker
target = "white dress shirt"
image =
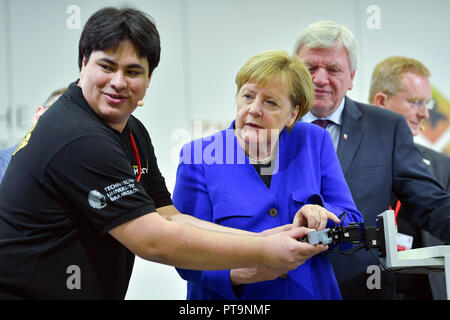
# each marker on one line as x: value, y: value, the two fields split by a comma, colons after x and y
x: 334, y: 127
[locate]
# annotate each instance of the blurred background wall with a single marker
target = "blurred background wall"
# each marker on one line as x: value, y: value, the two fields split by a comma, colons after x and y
x: 204, y: 43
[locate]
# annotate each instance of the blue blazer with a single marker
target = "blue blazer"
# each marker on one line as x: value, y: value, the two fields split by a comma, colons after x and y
x: 215, y: 182
x: 378, y: 158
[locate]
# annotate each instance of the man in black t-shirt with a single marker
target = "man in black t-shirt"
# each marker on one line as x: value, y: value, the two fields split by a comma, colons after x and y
x: 83, y: 192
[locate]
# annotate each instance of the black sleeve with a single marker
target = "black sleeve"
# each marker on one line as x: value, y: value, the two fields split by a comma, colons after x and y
x: 95, y: 174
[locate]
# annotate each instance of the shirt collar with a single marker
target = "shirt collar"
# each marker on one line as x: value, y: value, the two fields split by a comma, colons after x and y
x: 336, y: 116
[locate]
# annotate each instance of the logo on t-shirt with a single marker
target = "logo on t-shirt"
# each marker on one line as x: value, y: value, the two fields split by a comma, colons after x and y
x: 115, y: 191
x: 96, y: 199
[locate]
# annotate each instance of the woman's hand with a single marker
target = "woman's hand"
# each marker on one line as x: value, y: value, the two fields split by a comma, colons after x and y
x: 254, y: 274
x: 313, y: 217
x: 292, y: 253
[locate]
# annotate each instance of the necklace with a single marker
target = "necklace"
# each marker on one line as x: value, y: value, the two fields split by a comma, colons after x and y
x: 261, y: 160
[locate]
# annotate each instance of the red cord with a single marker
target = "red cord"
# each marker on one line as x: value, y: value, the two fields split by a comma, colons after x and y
x: 136, y: 156
x: 397, y: 209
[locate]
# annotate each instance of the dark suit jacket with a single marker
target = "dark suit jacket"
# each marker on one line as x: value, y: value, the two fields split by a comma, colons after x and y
x: 421, y: 286
x: 378, y: 158
x: 439, y: 165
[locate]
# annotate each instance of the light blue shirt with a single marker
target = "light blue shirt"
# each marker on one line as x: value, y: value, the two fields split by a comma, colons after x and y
x: 5, y: 158
x: 333, y: 128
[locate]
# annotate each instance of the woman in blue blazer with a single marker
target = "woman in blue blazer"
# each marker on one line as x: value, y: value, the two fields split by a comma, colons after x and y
x: 263, y: 172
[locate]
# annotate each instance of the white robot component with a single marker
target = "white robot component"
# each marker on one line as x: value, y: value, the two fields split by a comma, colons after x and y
x: 383, y: 238
x: 420, y: 260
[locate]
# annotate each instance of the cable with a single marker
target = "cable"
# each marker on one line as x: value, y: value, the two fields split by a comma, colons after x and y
x: 136, y: 156
x: 342, y: 220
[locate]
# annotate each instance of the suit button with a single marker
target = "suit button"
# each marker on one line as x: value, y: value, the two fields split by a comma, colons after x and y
x: 273, y: 212
x: 284, y: 276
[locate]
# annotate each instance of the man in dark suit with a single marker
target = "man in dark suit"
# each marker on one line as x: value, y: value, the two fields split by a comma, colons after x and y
x: 402, y: 85
x: 376, y: 152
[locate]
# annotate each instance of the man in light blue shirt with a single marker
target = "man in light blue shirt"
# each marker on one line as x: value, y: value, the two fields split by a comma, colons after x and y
x: 6, y: 154
x: 5, y: 157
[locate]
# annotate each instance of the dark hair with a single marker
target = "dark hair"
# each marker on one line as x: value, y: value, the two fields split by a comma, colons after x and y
x: 108, y: 27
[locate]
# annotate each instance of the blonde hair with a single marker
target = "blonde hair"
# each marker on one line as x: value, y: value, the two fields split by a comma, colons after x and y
x: 53, y: 97
x: 387, y: 75
x: 268, y: 67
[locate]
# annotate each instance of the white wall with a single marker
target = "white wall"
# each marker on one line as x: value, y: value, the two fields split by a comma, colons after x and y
x: 204, y: 43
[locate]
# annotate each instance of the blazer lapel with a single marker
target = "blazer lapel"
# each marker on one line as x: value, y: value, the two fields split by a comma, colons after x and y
x: 351, y: 133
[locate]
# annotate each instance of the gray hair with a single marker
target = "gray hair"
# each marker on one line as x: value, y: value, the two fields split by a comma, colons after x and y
x: 53, y: 97
x: 327, y: 34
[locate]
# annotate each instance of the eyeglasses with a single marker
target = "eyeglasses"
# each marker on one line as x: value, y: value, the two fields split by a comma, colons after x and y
x: 417, y: 103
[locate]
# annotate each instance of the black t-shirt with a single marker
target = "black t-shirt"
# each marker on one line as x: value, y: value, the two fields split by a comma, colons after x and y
x: 72, y: 180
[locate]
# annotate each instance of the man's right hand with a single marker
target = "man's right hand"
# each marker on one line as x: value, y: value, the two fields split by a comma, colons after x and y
x: 284, y: 251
